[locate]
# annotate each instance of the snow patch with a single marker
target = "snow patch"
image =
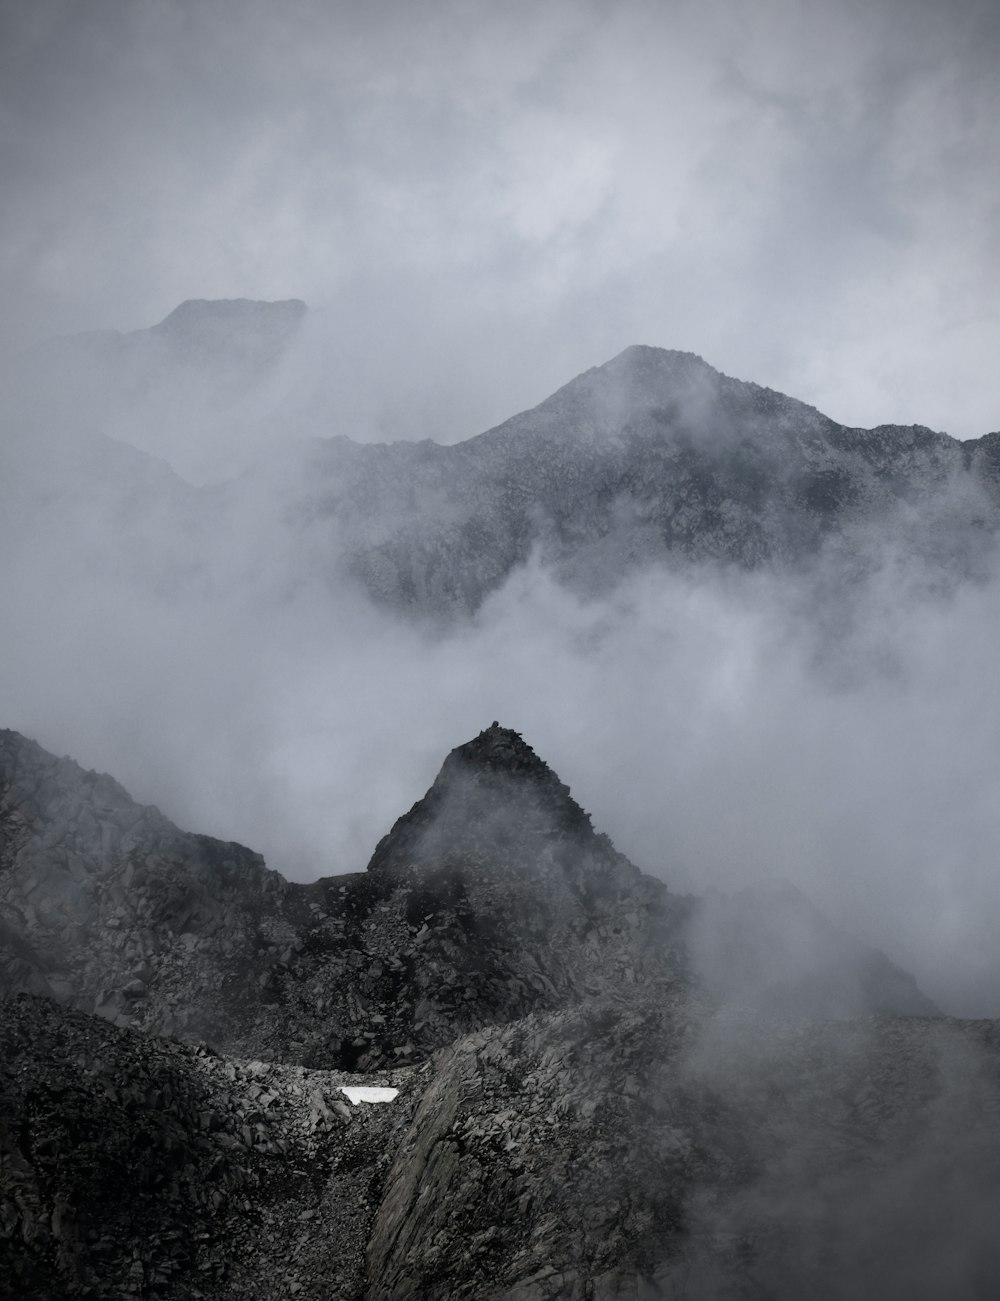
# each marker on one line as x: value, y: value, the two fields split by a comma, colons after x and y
x: 356, y: 1093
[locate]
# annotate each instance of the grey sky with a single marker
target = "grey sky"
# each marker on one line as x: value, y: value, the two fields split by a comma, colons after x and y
x: 487, y: 198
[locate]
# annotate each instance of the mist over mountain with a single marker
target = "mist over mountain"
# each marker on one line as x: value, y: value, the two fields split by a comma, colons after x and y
x: 712, y: 1054
x: 574, y: 1105
x: 622, y: 373
x: 654, y: 457
x: 781, y: 626
x: 198, y: 388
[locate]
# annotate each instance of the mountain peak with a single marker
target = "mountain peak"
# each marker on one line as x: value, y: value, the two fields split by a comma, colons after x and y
x: 500, y: 748
x: 493, y: 799
x: 645, y: 355
x: 639, y: 382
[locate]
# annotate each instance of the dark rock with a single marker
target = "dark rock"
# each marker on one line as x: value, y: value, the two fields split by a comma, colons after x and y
x: 576, y: 1118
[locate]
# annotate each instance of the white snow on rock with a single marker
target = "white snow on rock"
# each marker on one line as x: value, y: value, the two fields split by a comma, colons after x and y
x: 356, y: 1093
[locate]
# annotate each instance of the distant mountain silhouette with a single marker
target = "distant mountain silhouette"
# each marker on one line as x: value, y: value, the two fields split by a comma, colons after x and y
x: 652, y: 458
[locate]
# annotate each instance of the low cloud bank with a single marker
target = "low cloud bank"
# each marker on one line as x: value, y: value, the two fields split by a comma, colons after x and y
x: 717, y: 727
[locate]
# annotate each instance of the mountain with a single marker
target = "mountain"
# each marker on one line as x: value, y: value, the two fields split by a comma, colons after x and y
x: 492, y: 898
x: 575, y: 1114
x: 200, y: 388
x: 654, y: 457
x: 586, y: 1085
x: 234, y: 331
x: 220, y: 334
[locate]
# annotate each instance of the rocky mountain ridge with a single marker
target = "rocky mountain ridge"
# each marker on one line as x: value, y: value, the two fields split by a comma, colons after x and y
x: 604, y: 1089
x: 573, y: 1117
x: 652, y: 458
x: 639, y: 1148
x: 491, y: 898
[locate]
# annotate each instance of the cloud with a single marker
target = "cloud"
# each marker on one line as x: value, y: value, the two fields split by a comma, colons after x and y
x: 721, y: 729
x: 480, y: 202
x: 805, y: 195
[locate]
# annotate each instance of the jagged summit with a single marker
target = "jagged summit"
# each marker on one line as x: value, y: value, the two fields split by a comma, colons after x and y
x: 493, y: 799
x: 499, y: 751
x: 499, y: 747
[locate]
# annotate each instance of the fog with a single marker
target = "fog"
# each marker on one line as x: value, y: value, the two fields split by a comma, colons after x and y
x: 902, y: 1209
x: 487, y: 199
x: 478, y: 205
x: 712, y: 724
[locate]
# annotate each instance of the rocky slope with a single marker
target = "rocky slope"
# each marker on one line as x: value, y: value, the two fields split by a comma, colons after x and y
x: 654, y: 1150
x: 135, y: 1166
x: 625, y: 1148
x: 492, y: 898
x: 575, y: 1116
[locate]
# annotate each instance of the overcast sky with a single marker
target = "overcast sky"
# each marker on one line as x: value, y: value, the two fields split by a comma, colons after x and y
x: 484, y: 199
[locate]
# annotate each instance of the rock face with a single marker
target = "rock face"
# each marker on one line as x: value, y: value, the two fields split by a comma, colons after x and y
x: 647, y: 1148
x: 577, y: 1115
x: 656, y: 1151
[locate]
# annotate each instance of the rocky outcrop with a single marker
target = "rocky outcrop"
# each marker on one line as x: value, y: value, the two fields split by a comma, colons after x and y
x: 575, y: 1114
x: 646, y: 1147
x: 654, y: 1150
x: 492, y: 898
x: 135, y: 1166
